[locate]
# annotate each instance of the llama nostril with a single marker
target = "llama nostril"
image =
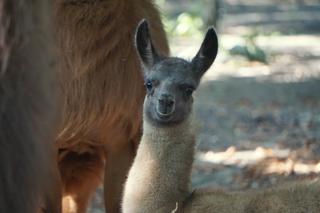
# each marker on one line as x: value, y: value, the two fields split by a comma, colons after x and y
x: 170, y: 103
x: 161, y: 101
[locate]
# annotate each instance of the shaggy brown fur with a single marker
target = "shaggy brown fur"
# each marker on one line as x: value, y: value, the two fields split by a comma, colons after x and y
x: 103, y: 92
x: 28, y: 177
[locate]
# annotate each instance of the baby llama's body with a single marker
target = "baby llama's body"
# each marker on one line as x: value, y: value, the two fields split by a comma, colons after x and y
x: 159, y: 178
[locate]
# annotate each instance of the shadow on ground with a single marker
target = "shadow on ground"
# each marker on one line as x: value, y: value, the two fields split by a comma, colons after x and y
x: 247, y: 125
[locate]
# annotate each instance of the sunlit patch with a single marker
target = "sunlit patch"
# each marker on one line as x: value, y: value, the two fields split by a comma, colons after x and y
x: 262, y: 161
x: 242, y: 158
x: 69, y: 205
x: 289, y: 166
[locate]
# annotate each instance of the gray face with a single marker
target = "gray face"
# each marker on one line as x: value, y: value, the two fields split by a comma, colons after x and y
x: 170, y: 81
x: 170, y: 84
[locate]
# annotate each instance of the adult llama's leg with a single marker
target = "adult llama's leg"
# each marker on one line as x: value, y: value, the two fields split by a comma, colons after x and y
x: 81, y: 173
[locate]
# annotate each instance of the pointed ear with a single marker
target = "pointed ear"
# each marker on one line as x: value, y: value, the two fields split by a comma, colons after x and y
x: 146, y: 51
x: 207, y: 53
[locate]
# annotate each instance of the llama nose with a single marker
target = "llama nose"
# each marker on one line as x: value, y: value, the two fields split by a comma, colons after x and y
x: 166, y: 104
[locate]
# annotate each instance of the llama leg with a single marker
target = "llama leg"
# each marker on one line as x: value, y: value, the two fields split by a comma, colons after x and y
x: 117, y: 166
x: 53, y: 195
x: 81, y: 174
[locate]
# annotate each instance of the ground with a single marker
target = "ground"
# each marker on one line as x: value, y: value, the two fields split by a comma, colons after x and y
x: 259, y: 123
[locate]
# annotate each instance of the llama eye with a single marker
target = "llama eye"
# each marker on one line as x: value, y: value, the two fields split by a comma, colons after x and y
x: 149, y: 85
x: 188, y: 91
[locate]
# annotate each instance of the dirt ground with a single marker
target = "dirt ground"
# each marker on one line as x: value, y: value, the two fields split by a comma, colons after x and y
x: 259, y: 124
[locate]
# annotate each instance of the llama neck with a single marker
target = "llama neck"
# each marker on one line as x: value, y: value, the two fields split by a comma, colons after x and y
x: 160, y: 175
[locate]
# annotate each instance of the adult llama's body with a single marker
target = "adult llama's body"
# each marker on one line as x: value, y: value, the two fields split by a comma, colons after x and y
x: 28, y: 175
x: 103, y: 90
x: 159, y: 178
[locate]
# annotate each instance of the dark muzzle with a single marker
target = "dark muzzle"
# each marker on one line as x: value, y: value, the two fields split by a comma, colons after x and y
x: 165, y: 105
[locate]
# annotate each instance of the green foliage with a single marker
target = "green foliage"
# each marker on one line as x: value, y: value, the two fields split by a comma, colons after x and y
x: 160, y: 2
x: 250, y: 50
x: 184, y: 25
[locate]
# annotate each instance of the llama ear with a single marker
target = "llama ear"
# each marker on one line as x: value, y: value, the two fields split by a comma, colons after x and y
x: 206, y: 54
x: 146, y: 51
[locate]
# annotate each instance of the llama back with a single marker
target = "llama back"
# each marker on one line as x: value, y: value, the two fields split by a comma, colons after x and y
x: 288, y: 198
x: 99, y: 69
x: 27, y: 108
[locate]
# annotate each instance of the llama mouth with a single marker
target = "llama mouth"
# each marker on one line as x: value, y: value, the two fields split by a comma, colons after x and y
x: 164, y: 117
x: 164, y: 111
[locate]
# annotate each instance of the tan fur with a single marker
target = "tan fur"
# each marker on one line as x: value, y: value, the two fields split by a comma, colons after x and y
x: 160, y: 174
x: 103, y: 91
x: 159, y: 177
x: 290, y: 198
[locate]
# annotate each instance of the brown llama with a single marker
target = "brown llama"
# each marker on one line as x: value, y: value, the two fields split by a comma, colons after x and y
x: 159, y: 178
x: 28, y: 177
x: 102, y: 88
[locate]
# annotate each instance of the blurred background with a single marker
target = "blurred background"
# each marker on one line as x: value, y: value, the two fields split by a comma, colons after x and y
x: 258, y: 107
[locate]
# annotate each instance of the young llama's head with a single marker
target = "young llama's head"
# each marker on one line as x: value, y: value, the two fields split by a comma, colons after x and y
x: 170, y: 81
